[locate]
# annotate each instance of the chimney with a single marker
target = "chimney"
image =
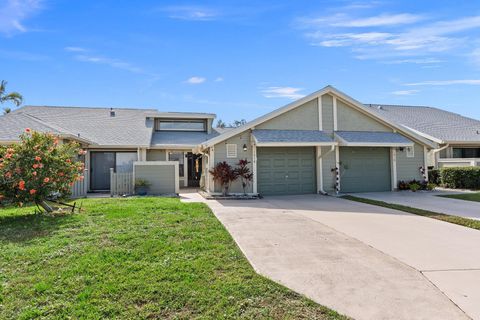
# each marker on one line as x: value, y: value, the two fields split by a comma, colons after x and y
x: 112, y: 113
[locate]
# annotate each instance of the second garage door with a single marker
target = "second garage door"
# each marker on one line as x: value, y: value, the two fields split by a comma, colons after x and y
x: 365, y: 169
x: 284, y: 171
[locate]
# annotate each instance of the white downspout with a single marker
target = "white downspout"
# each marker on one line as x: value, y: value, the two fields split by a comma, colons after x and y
x: 322, y: 191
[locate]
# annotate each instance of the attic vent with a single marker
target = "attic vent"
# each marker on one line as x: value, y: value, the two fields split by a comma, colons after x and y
x: 112, y: 113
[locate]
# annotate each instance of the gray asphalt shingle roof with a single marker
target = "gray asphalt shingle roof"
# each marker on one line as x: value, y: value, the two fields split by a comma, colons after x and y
x: 13, y: 125
x: 440, y: 124
x: 372, y: 137
x: 264, y: 135
x: 179, y: 138
x: 127, y: 128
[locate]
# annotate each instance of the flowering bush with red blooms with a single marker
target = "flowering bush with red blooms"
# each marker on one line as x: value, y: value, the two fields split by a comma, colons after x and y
x: 37, y: 168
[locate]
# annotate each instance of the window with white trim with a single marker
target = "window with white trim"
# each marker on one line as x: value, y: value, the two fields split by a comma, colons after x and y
x: 410, y: 152
x: 231, y: 150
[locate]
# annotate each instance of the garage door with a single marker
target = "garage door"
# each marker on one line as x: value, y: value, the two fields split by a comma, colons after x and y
x: 365, y: 169
x: 283, y: 171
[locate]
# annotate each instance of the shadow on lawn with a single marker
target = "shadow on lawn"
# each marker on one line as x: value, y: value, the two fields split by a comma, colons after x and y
x: 23, y: 228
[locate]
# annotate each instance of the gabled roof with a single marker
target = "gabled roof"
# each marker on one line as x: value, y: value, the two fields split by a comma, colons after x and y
x: 327, y: 90
x: 435, y: 124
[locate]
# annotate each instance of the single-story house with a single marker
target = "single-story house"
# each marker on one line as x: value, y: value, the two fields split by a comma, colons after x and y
x: 326, y: 142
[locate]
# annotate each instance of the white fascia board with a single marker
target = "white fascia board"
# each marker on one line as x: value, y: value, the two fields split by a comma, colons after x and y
x: 427, y: 136
x: 173, y: 115
x: 414, y: 135
x: 266, y: 117
x: 460, y: 143
x: 327, y: 90
x: 94, y: 147
x: 295, y: 144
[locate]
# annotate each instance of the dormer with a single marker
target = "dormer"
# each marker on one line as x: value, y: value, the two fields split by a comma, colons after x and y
x: 189, y: 122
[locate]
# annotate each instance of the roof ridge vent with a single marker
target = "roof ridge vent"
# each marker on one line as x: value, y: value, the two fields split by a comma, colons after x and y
x: 112, y: 112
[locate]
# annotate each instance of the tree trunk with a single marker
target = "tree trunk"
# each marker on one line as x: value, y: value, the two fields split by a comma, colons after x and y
x: 45, y: 206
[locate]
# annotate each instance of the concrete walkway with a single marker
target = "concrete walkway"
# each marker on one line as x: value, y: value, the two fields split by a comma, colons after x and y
x: 428, y: 201
x: 297, y: 241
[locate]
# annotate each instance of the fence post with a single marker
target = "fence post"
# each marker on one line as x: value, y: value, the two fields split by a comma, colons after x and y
x: 112, y: 183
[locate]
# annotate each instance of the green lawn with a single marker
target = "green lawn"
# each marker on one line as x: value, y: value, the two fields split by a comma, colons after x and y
x: 470, y: 223
x: 147, y: 258
x: 464, y: 196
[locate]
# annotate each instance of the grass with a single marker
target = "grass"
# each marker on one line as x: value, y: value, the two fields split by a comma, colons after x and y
x: 147, y: 258
x: 464, y: 196
x: 470, y: 223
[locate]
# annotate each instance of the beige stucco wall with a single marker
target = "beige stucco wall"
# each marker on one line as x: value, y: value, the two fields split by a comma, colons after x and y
x: 349, y: 119
x: 221, y: 155
x: 305, y: 117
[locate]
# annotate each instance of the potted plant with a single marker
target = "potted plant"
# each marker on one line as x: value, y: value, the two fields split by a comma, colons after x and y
x: 141, y: 187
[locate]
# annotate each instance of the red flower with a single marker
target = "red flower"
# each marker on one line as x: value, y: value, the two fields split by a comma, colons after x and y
x: 37, y: 158
x: 68, y: 161
x: 34, y: 173
x: 8, y: 155
x: 27, y: 130
x: 46, y: 180
x: 21, y: 185
x: 8, y: 174
x: 35, y: 166
x: 33, y: 191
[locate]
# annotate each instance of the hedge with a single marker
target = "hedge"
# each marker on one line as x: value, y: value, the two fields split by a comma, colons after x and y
x: 460, y: 178
x: 434, y: 176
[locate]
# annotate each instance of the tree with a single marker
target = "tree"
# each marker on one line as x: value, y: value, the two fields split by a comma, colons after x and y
x: 221, y: 124
x: 14, y: 97
x: 38, y: 169
x: 243, y: 172
x: 238, y: 123
x: 225, y: 175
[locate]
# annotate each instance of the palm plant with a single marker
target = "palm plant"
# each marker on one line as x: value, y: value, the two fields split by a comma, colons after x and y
x: 243, y: 172
x: 14, y: 97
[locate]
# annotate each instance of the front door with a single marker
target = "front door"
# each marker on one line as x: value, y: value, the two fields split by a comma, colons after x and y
x: 101, y: 162
x: 194, y: 170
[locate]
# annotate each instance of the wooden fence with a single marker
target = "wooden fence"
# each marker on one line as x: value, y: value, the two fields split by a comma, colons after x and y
x: 121, y: 183
x: 80, y: 188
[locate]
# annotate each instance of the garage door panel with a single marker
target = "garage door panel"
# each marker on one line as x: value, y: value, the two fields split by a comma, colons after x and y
x: 288, y: 171
x: 365, y: 169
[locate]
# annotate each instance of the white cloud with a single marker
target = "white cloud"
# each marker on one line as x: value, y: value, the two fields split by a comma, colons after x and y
x: 196, y: 80
x: 219, y: 79
x: 13, y: 14
x: 75, y: 49
x: 404, y: 92
x: 282, y: 92
x: 193, y: 13
x: 392, y: 35
x: 380, y: 20
x: 475, y: 82
x: 416, y: 61
x: 114, y: 63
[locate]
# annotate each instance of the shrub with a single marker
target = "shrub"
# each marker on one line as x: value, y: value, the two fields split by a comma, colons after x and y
x: 414, y: 187
x: 225, y: 175
x: 434, y: 176
x: 243, y: 172
x: 38, y: 168
x: 460, y: 178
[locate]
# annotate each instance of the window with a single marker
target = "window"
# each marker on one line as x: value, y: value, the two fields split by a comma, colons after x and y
x: 177, y: 156
x: 180, y: 125
x: 231, y: 150
x: 466, y: 152
x: 410, y: 152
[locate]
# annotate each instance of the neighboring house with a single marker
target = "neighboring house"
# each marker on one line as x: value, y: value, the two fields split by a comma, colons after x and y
x: 325, y: 142
x: 457, y: 136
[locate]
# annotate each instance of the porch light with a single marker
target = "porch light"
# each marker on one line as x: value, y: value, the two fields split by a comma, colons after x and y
x: 244, y: 147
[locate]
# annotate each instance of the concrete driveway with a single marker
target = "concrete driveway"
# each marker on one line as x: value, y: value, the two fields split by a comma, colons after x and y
x: 364, y: 261
x: 428, y: 201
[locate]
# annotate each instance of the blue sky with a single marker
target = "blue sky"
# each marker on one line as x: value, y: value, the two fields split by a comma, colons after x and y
x: 240, y: 59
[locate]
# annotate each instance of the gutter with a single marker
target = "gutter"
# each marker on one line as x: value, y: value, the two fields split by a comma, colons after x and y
x: 435, y: 151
